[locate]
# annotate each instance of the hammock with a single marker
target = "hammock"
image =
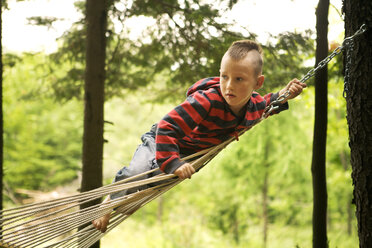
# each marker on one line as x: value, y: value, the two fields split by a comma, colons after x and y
x: 61, y: 222
x: 47, y: 223
x: 66, y: 226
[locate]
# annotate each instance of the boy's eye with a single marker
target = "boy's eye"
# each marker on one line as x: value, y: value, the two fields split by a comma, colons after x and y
x: 224, y: 77
x: 239, y: 79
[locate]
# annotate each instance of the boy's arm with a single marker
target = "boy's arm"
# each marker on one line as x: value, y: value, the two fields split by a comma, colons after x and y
x: 295, y: 88
x: 174, y: 126
x: 185, y: 171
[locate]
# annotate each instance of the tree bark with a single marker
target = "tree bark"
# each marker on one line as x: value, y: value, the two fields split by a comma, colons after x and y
x: 96, y: 18
x: 320, y: 131
x: 359, y: 114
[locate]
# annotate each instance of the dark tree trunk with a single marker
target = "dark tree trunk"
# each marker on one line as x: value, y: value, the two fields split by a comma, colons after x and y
x: 359, y: 113
x: 320, y: 131
x: 96, y: 18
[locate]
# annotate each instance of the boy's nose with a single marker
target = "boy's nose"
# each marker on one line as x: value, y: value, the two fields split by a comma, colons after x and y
x: 229, y: 84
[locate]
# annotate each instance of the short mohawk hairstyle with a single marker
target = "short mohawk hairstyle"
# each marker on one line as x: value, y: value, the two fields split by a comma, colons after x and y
x: 239, y: 50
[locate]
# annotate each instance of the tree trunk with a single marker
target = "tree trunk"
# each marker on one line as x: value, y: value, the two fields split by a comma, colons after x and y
x: 320, y: 131
x: 359, y: 114
x: 96, y: 18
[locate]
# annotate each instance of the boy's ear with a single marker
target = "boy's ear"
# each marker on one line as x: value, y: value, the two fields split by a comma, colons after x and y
x: 260, y: 81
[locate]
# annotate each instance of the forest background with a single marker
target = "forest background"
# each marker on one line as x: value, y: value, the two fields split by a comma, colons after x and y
x: 223, y: 205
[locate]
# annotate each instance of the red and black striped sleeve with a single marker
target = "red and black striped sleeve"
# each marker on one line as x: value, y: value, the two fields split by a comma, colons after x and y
x: 175, y: 125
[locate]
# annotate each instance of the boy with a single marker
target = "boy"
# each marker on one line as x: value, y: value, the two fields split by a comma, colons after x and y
x: 215, y: 110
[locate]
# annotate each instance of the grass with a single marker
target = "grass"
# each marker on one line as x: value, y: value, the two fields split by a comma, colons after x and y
x: 187, y: 232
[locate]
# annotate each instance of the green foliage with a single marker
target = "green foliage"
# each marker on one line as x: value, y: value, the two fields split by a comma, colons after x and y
x: 269, y: 150
x: 184, y: 37
x: 185, y: 43
x: 285, y: 57
x: 42, y: 21
x: 128, y: 124
x: 41, y: 137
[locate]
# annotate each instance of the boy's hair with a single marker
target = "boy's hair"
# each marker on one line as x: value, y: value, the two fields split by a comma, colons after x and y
x: 239, y: 50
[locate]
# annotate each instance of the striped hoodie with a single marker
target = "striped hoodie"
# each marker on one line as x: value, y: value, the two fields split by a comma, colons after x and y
x: 203, y: 120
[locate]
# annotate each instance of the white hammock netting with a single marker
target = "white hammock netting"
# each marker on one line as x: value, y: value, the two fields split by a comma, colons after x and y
x: 61, y: 222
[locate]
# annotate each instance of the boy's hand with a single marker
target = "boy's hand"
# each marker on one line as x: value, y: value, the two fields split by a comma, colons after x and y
x: 295, y: 87
x: 185, y: 171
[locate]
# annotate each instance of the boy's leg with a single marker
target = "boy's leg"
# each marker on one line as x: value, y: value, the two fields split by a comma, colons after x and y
x: 143, y: 160
x: 102, y: 223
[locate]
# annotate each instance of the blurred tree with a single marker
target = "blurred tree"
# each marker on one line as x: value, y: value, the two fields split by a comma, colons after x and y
x: 96, y: 21
x: 260, y: 180
x: 318, y: 168
x: 184, y: 42
x: 42, y: 138
x: 338, y: 156
x: 285, y: 57
x: 359, y: 116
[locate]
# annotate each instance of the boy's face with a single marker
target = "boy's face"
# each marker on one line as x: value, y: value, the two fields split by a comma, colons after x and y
x: 238, y: 79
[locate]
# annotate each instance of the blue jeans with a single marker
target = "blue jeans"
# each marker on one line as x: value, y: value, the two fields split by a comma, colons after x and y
x: 143, y: 160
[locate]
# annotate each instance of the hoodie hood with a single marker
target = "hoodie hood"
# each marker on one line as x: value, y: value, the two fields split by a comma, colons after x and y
x: 204, y: 84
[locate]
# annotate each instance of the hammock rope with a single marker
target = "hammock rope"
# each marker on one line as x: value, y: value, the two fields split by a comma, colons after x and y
x: 62, y: 223
x: 33, y: 225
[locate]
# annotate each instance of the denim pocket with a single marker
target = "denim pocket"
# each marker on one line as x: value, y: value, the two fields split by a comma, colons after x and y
x: 149, y: 141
